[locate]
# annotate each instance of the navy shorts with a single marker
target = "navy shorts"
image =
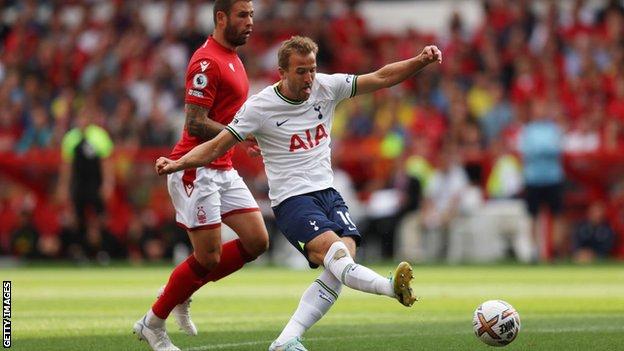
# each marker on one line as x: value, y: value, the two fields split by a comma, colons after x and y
x: 304, y: 217
x: 549, y: 195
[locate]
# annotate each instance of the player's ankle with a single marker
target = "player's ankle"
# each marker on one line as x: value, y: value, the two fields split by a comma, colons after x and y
x: 153, y: 321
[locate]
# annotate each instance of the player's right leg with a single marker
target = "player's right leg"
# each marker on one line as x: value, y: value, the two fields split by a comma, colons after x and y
x: 327, y: 249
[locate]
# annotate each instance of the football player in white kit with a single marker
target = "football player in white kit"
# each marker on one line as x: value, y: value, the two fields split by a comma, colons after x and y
x: 291, y: 121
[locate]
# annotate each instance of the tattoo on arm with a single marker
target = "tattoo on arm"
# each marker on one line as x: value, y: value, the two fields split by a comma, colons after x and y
x: 199, y: 125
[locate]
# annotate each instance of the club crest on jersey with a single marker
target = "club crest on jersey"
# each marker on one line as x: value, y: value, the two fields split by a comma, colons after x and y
x: 317, y: 108
x: 297, y: 142
x: 201, y: 215
x: 200, y: 81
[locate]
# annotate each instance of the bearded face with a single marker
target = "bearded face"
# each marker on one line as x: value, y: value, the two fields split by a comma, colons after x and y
x: 239, y: 23
x: 236, y: 36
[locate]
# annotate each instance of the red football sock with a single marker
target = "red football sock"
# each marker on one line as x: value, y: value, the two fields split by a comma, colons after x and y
x: 233, y: 257
x: 185, y: 279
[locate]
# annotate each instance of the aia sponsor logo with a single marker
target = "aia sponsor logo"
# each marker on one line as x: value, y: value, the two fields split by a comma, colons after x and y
x: 306, y: 141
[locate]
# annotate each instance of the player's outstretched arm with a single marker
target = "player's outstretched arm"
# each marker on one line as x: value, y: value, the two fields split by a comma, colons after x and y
x: 200, y: 155
x: 396, y: 72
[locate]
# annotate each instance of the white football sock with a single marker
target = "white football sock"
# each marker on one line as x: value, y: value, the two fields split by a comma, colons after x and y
x: 153, y: 321
x: 314, y: 303
x: 339, y: 262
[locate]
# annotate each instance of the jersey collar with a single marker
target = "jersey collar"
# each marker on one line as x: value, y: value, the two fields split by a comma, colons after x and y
x: 218, y: 46
x: 292, y: 102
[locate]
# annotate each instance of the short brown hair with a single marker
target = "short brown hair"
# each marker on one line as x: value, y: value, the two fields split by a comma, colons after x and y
x: 224, y: 6
x: 301, y: 45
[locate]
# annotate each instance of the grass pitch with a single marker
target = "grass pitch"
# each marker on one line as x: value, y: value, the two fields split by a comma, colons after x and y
x: 561, y: 308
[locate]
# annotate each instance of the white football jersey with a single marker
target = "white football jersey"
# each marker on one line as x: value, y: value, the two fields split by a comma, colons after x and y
x: 294, y: 136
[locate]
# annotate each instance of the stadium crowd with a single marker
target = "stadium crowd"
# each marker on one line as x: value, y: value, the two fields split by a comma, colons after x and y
x: 122, y: 63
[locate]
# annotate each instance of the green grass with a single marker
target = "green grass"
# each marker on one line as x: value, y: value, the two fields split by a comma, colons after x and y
x: 561, y: 307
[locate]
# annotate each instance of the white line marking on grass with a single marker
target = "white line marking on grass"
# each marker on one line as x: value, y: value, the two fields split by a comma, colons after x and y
x: 577, y: 329
x: 320, y: 338
x: 267, y: 342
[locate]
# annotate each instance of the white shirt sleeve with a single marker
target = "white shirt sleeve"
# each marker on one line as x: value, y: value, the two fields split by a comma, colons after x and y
x: 245, y: 122
x: 342, y: 85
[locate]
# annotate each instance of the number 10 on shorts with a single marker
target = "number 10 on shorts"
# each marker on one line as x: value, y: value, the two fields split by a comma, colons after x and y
x: 346, y: 218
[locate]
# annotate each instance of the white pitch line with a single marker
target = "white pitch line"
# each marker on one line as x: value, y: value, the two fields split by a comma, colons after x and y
x: 320, y: 338
x: 267, y: 342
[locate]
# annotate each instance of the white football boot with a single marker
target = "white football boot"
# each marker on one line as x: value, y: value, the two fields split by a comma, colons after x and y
x: 401, y: 283
x: 182, y: 315
x: 157, y: 338
x: 293, y: 344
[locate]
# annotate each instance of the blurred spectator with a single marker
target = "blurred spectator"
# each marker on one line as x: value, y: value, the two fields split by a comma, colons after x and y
x: 156, y: 131
x: 418, y: 171
x: 86, y: 179
x: 498, y: 117
x: 466, y: 225
x: 505, y: 179
x: 382, y: 212
x: 442, y: 202
x: 541, y: 148
x: 504, y: 214
x: 584, y: 136
x: 25, y: 236
x: 38, y: 134
x: 593, y: 237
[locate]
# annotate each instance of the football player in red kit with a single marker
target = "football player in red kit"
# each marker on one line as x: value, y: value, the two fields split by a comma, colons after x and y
x: 204, y: 197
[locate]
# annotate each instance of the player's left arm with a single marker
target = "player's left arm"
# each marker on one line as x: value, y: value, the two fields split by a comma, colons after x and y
x: 396, y: 72
x: 200, y: 155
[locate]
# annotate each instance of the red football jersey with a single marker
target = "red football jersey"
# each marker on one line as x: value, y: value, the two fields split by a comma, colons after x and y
x: 215, y: 79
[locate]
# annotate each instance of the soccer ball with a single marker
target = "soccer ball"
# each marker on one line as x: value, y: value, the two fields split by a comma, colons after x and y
x: 496, y: 323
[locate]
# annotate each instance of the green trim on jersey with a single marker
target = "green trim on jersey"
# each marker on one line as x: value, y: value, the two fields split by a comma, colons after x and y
x: 94, y: 135
x: 324, y: 286
x: 234, y: 133
x: 354, y: 86
x: 292, y: 102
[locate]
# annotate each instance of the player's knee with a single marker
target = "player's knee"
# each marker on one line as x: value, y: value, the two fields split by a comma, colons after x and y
x: 259, y: 246
x: 336, y: 251
x: 350, y: 244
x: 208, y: 259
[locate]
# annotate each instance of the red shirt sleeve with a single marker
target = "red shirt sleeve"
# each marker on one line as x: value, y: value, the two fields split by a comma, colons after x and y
x: 202, y: 80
